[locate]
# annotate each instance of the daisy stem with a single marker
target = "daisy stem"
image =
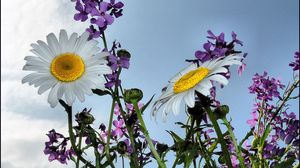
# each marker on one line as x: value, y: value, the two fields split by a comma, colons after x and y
x: 220, y: 136
x: 237, y: 148
x: 71, y: 133
x: 109, y: 131
x: 145, y: 131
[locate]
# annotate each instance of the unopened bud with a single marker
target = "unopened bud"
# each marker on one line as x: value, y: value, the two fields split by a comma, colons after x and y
x: 221, y: 111
x: 123, y: 53
x: 122, y: 147
x: 84, y: 117
x: 133, y: 95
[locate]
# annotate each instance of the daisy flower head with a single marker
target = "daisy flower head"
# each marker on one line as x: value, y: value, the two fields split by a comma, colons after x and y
x: 193, y: 78
x: 68, y: 66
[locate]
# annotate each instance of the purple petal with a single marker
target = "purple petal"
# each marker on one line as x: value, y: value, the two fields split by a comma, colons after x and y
x: 207, y: 46
x: 103, y: 6
x: 109, y: 19
x: 118, y: 5
x: 100, y: 22
x: 79, y: 6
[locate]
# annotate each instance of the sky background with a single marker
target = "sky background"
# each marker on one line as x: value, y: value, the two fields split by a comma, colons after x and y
x: 160, y: 35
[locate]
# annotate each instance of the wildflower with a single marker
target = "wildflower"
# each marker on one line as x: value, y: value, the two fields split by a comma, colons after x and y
x: 193, y: 78
x: 68, y: 66
x: 56, y: 147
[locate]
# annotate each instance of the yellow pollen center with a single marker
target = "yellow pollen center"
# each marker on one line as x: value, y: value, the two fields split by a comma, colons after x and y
x: 67, y: 67
x: 190, y: 79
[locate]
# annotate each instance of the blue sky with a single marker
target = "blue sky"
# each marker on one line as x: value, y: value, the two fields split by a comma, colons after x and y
x: 160, y: 35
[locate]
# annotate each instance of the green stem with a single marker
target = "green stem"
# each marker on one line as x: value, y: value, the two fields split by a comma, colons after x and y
x: 175, y: 162
x: 79, y: 143
x: 71, y: 133
x: 145, y: 131
x: 104, y: 40
x: 237, y: 148
x: 130, y: 132
x: 109, y: 131
x: 220, y: 136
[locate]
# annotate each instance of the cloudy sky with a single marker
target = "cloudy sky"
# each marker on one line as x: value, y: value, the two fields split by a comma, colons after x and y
x: 160, y: 35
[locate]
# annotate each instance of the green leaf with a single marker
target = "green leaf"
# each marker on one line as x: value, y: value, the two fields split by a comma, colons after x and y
x: 146, y: 105
x: 286, y: 163
x: 265, y: 135
x: 100, y: 92
x: 175, y: 136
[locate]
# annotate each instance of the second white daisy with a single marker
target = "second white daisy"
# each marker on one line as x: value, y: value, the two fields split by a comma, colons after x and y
x: 69, y: 67
x: 183, y: 85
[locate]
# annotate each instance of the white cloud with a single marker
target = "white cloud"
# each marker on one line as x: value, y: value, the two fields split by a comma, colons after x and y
x: 26, y: 116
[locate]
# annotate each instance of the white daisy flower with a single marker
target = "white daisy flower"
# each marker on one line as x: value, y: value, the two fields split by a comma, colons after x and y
x: 69, y: 67
x: 183, y: 85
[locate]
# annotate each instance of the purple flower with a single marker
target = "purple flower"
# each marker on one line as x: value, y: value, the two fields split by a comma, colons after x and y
x: 82, y: 15
x: 219, y: 39
x: 264, y: 87
x: 112, y: 80
x: 56, y: 147
x: 252, y: 122
x: 116, y: 8
x: 93, y: 32
x: 100, y: 13
x: 103, y: 18
x: 295, y: 65
x: 119, y: 124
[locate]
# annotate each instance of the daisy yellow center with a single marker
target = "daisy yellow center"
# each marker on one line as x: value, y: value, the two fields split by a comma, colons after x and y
x: 190, y: 79
x: 67, y: 67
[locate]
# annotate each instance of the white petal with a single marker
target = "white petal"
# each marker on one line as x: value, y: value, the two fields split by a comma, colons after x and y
x: 89, y: 49
x: 69, y: 94
x: 52, y: 97
x: 45, y: 86
x: 41, y: 69
x: 32, y: 77
x: 70, y: 47
x: 78, y: 92
x: 100, y: 69
x: 219, y: 78
x: 203, y: 90
x: 176, y: 104
x: 63, y: 40
x: 53, y: 44
x: 41, y: 49
x: 189, y: 98
x: 218, y: 70
x: 81, y: 42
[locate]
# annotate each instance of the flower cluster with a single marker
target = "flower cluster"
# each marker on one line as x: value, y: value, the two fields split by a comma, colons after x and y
x: 116, y: 60
x: 264, y: 87
x: 218, y: 48
x: 56, y: 147
x: 295, y: 65
x: 101, y: 14
x: 283, y: 126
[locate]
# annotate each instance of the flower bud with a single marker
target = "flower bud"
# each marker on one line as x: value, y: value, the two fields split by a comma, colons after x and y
x: 123, y: 53
x: 122, y: 147
x: 161, y: 147
x: 84, y: 117
x: 133, y: 95
x: 221, y: 111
